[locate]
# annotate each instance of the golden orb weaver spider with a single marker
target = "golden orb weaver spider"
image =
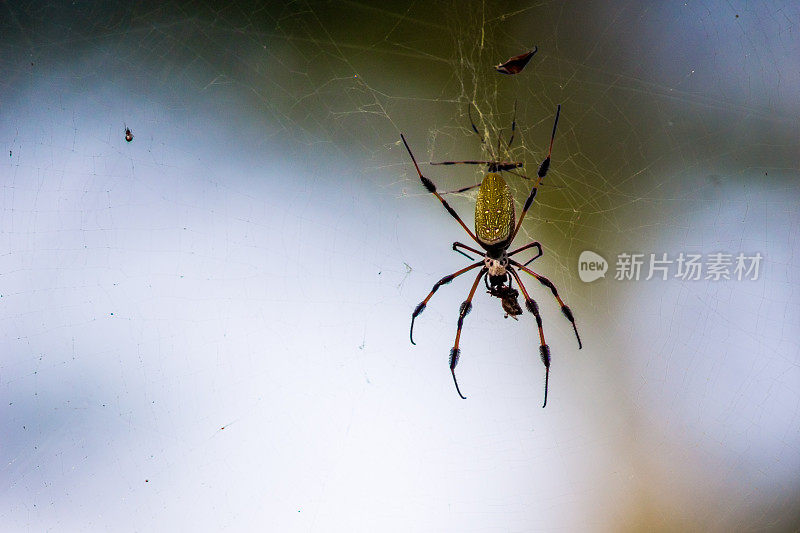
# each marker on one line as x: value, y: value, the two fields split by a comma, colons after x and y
x: 495, y: 230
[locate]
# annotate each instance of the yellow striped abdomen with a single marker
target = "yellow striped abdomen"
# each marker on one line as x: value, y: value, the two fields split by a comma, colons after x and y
x: 494, y: 210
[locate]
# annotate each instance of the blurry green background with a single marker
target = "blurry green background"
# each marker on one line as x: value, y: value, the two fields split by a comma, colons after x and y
x: 207, y: 327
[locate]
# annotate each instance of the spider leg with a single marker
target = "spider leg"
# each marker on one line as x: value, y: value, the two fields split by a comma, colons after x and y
x: 457, y: 245
x: 444, y: 281
x: 465, y: 308
x: 534, y: 244
x: 544, y: 349
x: 523, y: 176
x: 432, y: 189
x: 486, y: 282
x: 543, y: 168
x: 472, y: 123
x: 513, y: 126
x: 503, y: 165
x: 467, y: 162
x: 549, y: 284
x: 464, y: 189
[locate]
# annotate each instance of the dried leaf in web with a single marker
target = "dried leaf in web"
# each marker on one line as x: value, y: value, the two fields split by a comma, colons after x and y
x: 515, y: 64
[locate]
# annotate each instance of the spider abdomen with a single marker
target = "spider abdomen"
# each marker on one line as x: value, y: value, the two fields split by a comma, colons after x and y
x: 494, y: 210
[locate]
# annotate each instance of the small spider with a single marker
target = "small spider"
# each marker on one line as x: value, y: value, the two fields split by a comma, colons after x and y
x: 128, y: 134
x: 495, y: 230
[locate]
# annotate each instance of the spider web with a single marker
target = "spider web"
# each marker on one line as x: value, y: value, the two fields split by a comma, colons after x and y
x: 207, y: 327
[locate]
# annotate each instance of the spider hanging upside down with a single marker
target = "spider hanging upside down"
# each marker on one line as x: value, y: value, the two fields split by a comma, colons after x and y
x: 495, y: 230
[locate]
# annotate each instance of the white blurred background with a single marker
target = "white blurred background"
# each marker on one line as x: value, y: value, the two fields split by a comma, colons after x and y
x: 207, y: 328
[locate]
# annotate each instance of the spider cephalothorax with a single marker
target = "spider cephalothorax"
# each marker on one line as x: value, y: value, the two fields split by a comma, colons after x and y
x: 495, y: 230
x: 496, y: 267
